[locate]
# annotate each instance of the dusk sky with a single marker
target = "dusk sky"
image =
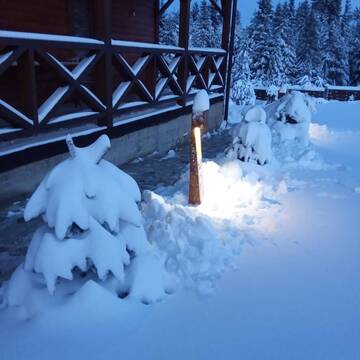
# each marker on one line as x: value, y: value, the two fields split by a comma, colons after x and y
x: 247, y: 8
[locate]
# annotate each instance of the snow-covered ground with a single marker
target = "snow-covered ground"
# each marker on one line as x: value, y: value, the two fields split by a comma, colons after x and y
x: 267, y: 267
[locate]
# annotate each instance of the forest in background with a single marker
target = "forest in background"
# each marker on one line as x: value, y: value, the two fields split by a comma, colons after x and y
x: 313, y: 43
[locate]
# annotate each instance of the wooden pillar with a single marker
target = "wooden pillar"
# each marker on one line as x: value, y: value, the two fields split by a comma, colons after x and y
x: 103, y: 76
x: 157, y: 21
x: 184, y: 30
x: 227, y: 43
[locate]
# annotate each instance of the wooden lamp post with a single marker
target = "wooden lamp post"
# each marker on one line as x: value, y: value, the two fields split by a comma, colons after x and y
x: 200, y: 113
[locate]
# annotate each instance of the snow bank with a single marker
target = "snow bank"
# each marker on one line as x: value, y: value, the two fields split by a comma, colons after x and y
x: 199, y: 243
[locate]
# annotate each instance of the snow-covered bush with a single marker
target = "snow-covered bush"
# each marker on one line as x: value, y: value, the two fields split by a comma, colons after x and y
x: 92, y: 230
x: 290, y: 117
x: 242, y: 92
x: 272, y: 91
x: 252, y: 138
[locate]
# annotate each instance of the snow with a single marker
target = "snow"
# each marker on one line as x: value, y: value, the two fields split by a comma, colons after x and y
x: 209, y: 50
x: 5, y: 56
x: 48, y: 37
x: 72, y: 116
x: 290, y: 231
x: 201, y: 102
x: 119, y: 91
x: 170, y: 155
x: 51, y: 101
x: 136, y: 44
x: 15, y: 111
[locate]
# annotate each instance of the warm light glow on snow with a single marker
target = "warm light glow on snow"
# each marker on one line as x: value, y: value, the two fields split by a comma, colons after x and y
x: 227, y: 195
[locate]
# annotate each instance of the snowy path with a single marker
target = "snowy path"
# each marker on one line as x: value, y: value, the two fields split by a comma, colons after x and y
x: 295, y: 296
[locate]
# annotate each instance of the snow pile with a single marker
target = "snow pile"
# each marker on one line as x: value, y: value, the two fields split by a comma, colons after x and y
x: 199, y: 243
x: 252, y: 138
x: 92, y: 225
x: 320, y: 133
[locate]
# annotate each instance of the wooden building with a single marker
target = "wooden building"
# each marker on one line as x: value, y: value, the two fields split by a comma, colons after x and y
x: 88, y: 67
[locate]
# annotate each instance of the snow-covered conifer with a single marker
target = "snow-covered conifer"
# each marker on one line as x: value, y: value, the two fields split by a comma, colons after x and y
x: 92, y: 231
x: 261, y: 42
x: 205, y: 32
x: 252, y: 138
x: 169, y: 28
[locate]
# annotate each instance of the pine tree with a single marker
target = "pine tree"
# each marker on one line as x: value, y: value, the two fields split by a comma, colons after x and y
x: 335, y: 63
x: 242, y: 90
x: 355, y: 50
x: 283, y: 24
x: 204, y: 31
x: 303, y: 45
x: 261, y: 43
x: 169, y: 29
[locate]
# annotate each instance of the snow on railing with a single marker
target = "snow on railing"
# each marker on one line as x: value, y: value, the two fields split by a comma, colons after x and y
x: 19, y: 35
x: 160, y: 74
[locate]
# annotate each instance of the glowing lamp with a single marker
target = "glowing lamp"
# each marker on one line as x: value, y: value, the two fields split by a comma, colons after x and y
x: 195, y: 183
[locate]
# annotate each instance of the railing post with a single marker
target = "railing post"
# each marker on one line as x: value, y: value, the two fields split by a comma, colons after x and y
x: 184, y: 29
x: 103, y: 77
x: 228, y: 44
x: 157, y: 21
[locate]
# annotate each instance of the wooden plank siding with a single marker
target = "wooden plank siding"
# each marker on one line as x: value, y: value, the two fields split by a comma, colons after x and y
x: 133, y: 20
x: 42, y: 16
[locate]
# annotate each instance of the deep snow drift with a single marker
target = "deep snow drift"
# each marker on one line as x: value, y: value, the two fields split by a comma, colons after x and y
x: 289, y: 228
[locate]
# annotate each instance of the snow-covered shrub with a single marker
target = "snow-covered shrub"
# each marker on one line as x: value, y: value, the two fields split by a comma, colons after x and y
x: 92, y: 229
x: 242, y: 92
x: 290, y: 117
x: 252, y: 138
x: 272, y: 91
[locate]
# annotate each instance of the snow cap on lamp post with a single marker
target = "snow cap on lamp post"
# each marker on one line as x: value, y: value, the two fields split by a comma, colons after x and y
x: 199, y: 117
x: 200, y: 108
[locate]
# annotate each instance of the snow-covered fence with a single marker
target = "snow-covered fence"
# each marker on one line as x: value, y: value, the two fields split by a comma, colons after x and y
x: 66, y: 81
x: 340, y: 93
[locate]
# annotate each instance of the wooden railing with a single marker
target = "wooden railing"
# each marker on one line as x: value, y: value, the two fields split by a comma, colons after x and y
x: 339, y: 93
x: 51, y: 81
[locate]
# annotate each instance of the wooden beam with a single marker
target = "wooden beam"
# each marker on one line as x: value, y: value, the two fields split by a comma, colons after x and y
x: 165, y: 7
x: 230, y: 58
x: 217, y: 7
x: 157, y: 21
x: 184, y: 30
x: 103, y: 76
x: 27, y: 82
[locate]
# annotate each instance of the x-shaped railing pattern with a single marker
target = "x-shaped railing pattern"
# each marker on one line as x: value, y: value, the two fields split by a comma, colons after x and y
x: 155, y: 74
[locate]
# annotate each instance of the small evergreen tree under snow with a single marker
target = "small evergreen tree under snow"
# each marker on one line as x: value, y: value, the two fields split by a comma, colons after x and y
x: 290, y: 117
x: 242, y: 90
x: 252, y: 138
x: 92, y: 231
